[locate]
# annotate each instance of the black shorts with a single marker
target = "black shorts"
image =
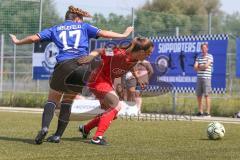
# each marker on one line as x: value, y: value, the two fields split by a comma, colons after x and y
x: 69, y: 76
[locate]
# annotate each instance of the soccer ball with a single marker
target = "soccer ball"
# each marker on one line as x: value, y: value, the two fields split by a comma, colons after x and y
x: 215, y: 130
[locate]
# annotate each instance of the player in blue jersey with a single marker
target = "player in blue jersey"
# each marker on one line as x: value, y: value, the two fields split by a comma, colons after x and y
x: 72, y: 38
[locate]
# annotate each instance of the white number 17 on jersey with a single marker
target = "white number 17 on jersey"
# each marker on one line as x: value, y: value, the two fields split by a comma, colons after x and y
x: 75, y: 33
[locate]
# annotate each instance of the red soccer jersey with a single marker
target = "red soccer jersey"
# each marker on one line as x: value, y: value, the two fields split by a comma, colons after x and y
x: 115, y: 64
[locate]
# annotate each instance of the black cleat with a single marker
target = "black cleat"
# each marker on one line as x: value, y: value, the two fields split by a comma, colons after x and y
x: 99, y: 141
x: 82, y: 130
x: 40, y: 136
x: 54, y: 139
x: 199, y: 114
x: 206, y: 114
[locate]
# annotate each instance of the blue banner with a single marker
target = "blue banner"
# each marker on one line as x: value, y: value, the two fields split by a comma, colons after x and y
x: 173, y: 59
x: 44, y: 60
x: 238, y: 57
x: 104, y: 43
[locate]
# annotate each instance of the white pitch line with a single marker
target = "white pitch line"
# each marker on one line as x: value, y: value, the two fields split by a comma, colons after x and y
x: 142, y: 117
x: 21, y: 110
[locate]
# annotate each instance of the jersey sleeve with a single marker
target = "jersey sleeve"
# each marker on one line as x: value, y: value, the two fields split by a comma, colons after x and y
x: 45, y: 35
x: 92, y: 31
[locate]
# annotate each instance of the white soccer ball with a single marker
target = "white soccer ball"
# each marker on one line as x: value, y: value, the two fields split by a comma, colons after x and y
x: 215, y: 130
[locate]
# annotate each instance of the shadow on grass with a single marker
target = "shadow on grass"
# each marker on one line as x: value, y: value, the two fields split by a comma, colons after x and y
x: 79, y: 139
x: 31, y: 141
x: 204, y: 139
x: 211, y: 140
x: 24, y: 140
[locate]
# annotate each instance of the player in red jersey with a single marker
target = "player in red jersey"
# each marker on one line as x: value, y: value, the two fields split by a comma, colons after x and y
x: 115, y: 63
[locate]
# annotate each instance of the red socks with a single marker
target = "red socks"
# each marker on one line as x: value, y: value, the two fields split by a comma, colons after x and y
x: 92, y: 124
x: 105, y: 121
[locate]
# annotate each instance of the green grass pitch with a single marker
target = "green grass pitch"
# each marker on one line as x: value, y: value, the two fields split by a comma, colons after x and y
x: 140, y: 140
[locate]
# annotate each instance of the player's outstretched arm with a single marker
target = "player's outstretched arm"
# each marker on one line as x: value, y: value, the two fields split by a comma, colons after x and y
x: 110, y: 34
x: 27, y: 40
x: 90, y: 57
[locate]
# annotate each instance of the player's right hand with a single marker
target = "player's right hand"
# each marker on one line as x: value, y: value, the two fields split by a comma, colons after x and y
x: 13, y: 38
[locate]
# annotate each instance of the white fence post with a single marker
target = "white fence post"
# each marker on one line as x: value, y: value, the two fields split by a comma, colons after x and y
x: 133, y: 24
x: 1, y: 71
x: 174, y: 101
x: 14, y: 68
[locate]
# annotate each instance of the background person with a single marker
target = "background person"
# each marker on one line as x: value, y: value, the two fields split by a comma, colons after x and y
x: 120, y: 92
x: 141, y: 72
x: 204, y: 66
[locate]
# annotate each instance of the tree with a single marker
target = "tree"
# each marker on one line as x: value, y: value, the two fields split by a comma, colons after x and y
x: 22, y: 17
x: 50, y: 16
x: 113, y: 22
x: 231, y: 23
x: 18, y: 16
x: 162, y: 17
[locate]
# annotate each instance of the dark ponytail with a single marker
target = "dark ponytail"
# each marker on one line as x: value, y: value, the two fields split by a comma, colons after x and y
x: 73, y: 13
x: 141, y: 44
x: 136, y: 44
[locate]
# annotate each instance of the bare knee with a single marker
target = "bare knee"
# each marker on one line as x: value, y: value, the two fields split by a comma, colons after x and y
x: 54, y: 96
x: 68, y: 98
x: 111, y: 100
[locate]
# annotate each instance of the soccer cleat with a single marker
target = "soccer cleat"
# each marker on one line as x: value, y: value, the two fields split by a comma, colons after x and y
x: 199, y: 114
x: 54, y: 139
x: 82, y: 130
x: 40, y: 136
x: 99, y: 141
x: 206, y: 114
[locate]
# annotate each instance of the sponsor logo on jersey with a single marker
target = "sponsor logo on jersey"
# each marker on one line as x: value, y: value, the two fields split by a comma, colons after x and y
x: 109, y: 52
x: 118, y: 71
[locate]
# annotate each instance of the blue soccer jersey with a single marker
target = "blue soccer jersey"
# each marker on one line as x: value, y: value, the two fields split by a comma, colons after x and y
x: 72, y: 38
